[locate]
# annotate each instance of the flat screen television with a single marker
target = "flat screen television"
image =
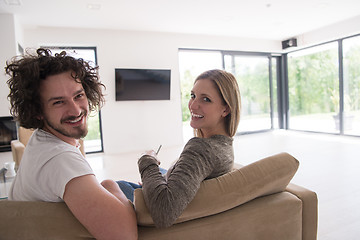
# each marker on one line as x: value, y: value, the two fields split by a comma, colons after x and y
x: 8, y: 132
x: 142, y: 84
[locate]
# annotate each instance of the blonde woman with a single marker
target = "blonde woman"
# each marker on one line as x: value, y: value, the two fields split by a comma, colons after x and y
x: 215, y: 114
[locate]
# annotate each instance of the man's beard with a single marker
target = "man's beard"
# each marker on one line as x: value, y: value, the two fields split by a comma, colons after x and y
x: 81, y: 131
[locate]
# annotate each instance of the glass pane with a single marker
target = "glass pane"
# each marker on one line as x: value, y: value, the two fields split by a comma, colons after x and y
x: 252, y: 74
x: 351, y: 116
x: 92, y: 141
x: 314, y: 89
x: 192, y: 64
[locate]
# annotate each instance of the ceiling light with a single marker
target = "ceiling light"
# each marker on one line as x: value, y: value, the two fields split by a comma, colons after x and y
x: 93, y: 6
x: 13, y: 2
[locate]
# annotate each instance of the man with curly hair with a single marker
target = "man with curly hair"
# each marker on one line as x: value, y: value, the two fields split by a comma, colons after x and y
x: 54, y: 94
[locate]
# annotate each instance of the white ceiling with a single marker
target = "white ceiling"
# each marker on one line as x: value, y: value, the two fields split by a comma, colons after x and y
x: 264, y: 19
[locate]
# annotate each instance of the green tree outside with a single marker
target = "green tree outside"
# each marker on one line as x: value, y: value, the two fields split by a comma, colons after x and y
x: 93, y: 127
x: 314, y: 83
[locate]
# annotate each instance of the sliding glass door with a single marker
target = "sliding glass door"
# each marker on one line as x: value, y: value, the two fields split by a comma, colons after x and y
x: 313, y: 81
x: 351, y: 86
x: 253, y: 75
x: 324, y: 88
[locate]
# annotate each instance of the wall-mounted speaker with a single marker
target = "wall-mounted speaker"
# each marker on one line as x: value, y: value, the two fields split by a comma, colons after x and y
x: 292, y: 42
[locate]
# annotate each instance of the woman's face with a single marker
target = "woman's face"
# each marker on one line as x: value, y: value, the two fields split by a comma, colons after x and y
x: 207, y: 108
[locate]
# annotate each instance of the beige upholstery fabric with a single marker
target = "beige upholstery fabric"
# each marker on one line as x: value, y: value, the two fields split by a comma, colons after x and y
x: 39, y: 220
x: 267, y: 176
x: 272, y: 217
x: 24, y: 135
x: 17, y: 149
x: 309, y: 212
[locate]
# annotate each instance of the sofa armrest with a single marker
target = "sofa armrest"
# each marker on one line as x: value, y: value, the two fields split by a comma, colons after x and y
x: 310, y: 210
x: 17, y: 149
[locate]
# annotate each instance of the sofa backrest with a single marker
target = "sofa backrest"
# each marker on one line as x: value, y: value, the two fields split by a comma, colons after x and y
x: 264, y: 177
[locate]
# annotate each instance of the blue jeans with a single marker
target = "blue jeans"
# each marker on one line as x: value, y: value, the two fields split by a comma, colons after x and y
x: 128, y: 188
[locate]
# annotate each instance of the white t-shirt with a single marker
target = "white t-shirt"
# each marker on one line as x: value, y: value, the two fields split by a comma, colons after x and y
x: 47, y: 165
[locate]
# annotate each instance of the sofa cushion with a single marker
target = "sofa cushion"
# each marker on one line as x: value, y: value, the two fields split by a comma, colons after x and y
x: 267, y: 176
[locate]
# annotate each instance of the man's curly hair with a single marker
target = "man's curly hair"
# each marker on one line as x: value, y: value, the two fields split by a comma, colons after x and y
x: 28, y: 71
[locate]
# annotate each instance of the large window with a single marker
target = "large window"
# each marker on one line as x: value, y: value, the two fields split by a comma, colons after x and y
x: 351, y: 86
x: 93, y: 140
x: 315, y: 89
x: 324, y: 88
x: 313, y: 76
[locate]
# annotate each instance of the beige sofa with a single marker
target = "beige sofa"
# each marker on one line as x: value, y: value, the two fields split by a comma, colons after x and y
x: 254, y: 202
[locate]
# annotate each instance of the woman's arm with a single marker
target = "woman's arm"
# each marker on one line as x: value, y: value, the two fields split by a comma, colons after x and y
x: 167, y: 199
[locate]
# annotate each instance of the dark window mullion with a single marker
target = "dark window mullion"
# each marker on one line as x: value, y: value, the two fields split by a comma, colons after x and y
x: 341, y: 87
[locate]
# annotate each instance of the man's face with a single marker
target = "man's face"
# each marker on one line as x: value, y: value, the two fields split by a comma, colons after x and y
x: 65, y: 107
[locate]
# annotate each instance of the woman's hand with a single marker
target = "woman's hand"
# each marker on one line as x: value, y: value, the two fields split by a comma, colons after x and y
x: 153, y: 154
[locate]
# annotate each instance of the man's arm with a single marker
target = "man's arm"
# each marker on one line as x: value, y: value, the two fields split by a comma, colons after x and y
x: 115, y: 190
x: 104, y: 215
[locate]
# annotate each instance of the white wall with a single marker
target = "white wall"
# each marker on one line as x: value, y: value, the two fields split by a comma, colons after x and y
x: 7, y: 50
x: 342, y: 29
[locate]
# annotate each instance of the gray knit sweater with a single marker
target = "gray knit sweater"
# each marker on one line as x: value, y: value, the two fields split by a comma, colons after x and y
x: 167, y: 196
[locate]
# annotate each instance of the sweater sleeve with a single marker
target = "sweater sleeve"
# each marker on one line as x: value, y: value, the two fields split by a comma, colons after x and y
x: 168, y: 198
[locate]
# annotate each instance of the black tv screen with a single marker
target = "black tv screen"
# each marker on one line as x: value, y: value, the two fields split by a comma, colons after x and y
x: 142, y: 84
